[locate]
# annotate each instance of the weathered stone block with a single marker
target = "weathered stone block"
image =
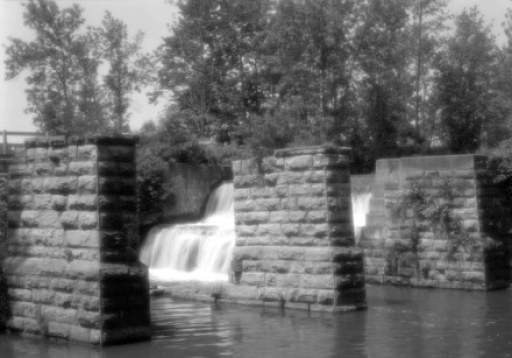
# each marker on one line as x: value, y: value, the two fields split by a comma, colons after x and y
x: 88, y: 220
x: 241, y: 193
x: 82, y: 202
x: 253, y: 217
x: 87, y: 152
x: 29, y: 325
x: 311, y: 203
x: 20, y: 294
x: 331, y: 161
x: 278, y: 217
x: 83, y: 270
x: 269, y: 229
x: 69, y: 220
x: 87, y: 184
x: 247, y: 181
x: 267, y: 204
x: 253, y: 278
x: 291, y: 178
x: 60, y: 185
x: 80, y: 334
x: 111, y: 168
x: 18, y: 202
x: 81, y: 238
x: 316, y: 230
x: 23, y: 309
x: 36, y: 154
x: 296, y: 216
x: 318, y: 281
x: 44, y: 168
x: 116, y: 186
x: 305, y: 296
x: 82, y: 168
x: 300, y: 162
x: 116, y: 153
x: 17, y: 170
x: 40, y: 219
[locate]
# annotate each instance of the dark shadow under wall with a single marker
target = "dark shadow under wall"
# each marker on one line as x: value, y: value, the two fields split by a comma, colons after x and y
x: 191, y: 186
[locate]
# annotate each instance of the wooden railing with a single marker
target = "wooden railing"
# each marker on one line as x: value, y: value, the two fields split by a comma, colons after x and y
x: 12, y: 147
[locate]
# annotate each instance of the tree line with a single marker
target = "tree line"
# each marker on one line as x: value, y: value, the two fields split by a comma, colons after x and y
x: 79, y: 77
x: 386, y: 77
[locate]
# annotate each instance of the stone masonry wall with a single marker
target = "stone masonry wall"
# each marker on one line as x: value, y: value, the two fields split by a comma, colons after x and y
x: 433, y: 222
x: 4, y: 306
x: 295, y: 241
x: 71, y: 263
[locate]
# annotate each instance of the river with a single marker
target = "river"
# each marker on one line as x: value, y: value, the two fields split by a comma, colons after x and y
x: 399, y: 322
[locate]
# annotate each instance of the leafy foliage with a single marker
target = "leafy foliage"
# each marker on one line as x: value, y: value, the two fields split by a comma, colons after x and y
x: 128, y: 69
x: 63, y: 65
x: 423, y: 212
x: 386, y: 77
x: 160, y: 146
x: 64, y: 93
x: 465, y: 85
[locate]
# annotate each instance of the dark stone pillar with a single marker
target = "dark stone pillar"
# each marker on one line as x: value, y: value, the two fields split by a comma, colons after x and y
x: 71, y: 265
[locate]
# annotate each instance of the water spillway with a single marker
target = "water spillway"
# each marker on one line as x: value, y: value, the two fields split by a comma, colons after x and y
x: 360, y: 208
x: 195, y: 251
x: 202, y: 251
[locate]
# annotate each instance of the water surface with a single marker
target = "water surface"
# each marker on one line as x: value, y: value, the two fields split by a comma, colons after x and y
x: 399, y: 322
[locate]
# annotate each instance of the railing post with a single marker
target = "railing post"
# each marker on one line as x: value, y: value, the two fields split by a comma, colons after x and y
x: 4, y: 150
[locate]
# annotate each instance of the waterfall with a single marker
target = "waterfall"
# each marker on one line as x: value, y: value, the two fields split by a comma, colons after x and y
x: 360, y: 208
x: 202, y: 251
x: 198, y: 251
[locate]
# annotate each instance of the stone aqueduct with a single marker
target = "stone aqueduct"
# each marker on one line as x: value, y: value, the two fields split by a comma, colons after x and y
x: 69, y: 243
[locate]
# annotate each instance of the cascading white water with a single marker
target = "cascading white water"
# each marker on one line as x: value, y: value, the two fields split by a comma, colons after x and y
x: 199, y: 251
x: 360, y: 208
x: 202, y: 251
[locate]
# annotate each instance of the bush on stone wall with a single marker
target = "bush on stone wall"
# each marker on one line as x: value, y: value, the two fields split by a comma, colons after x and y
x: 159, y: 147
x: 428, y: 205
x: 499, y: 167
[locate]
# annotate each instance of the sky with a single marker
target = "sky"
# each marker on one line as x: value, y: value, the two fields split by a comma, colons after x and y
x: 153, y: 17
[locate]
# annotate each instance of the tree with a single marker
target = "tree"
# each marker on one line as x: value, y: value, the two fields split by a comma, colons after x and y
x: 62, y: 62
x: 309, y: 62
x: 127, y: 69
x: 383, y: 45
x: 64, y: 92
x: 209, y: 62
x: 504, y: 84
x: 466, y: 84
x: 429, y: 18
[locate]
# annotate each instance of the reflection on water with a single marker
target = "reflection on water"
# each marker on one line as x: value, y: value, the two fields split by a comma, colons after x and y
x: 400, y: 322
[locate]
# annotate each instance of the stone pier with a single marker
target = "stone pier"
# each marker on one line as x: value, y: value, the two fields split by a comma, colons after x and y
x: 436, y: 221
x: 71, y: 262
x: 4, y: 303
x: 295, y: 240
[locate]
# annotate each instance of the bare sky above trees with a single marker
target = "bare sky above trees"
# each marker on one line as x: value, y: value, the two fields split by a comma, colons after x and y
x: 151, y: 17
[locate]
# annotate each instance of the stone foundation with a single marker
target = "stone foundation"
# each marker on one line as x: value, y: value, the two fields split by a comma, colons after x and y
x: 71, y: 265
x: 295, y: 240
x: 4, y: 305
x: 436, y: 222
